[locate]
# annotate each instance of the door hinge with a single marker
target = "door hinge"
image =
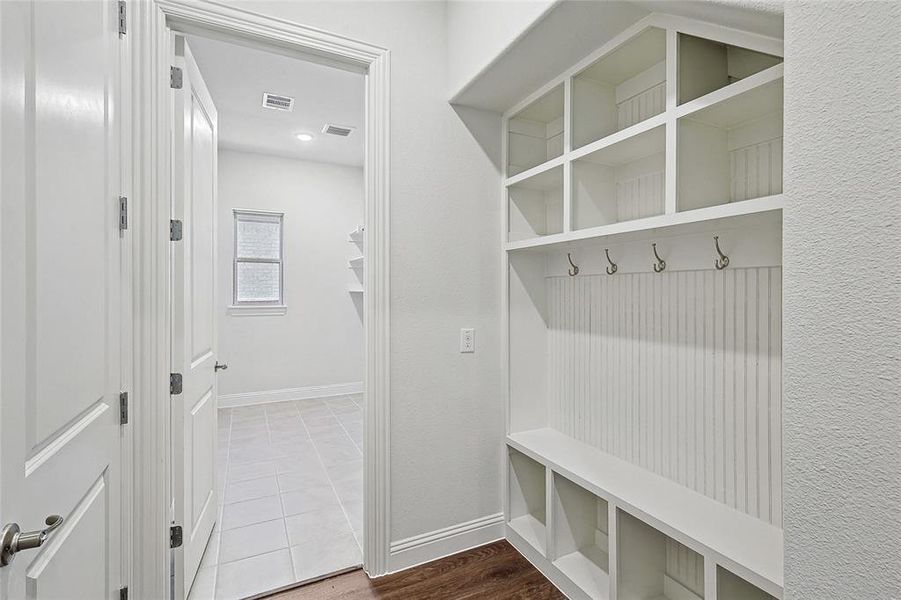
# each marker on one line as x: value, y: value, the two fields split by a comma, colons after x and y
x: 122, y: 18
x: 175, y: 384
x: 123, y: 593
x: 175, y: 230
x: 175, y: 78
x: 123, y: 213
x: 175, y: 536
x: 123, y: 408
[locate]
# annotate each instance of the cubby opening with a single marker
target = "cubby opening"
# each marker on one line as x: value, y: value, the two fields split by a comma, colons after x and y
x: 621, y: 89
x: 707, y: 65
x: 527, y: 499
x: 536, y: 205
x: 731, y: 151
x: 535, y: 134
x: 621, y: 182
x: 581, y: 537
x: 653, y: 566
x: 730, y: 586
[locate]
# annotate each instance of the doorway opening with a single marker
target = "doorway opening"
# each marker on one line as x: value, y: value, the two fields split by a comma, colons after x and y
x: 267, y: 319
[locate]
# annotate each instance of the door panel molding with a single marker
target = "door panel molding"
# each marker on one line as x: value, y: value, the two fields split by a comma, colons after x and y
x: 151, y: 172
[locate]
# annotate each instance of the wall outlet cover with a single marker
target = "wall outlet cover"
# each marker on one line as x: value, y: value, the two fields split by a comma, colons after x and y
x: 467, y: 340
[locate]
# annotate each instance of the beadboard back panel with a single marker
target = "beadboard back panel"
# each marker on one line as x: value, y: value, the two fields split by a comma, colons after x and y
x: 680, y: 373
x: 641, y: 106
x: 756, y: 170
x: 640, y: 197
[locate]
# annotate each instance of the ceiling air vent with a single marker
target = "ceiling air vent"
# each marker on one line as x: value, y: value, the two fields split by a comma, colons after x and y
x: 339, y: 130
x: 276, y: 102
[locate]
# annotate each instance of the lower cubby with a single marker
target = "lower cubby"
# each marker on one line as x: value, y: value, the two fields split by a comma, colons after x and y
x: 653, y: 566
x: 730, y: 586
x: 580, y: 531
x: 528, y: 500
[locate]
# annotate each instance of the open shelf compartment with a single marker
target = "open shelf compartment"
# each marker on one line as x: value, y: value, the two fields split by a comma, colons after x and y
x: 707, y: 65
x: 580, y: 532
x: 730, y: 586
x: 621, y: 89
x: 528, y: 499
x: 536, y: 205
x: 732, y: 150
x: 535, y: 134
x: 653, y: 566
x: 620, y: 182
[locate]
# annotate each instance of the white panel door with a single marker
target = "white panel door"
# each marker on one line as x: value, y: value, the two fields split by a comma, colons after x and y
x: 193, y: 320
x: 60, y: 252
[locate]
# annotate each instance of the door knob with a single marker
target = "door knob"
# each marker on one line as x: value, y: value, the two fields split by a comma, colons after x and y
x: 220, y: 366
x: 12, y: 539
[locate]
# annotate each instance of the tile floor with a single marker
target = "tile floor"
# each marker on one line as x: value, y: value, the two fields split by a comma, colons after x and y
x: 290, y: 494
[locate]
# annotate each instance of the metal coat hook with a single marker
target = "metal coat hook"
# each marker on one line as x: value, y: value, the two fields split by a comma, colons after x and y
x: 723, y: 261
x: 661, y: 264
x: 575, y: 270
x: 612, y: 268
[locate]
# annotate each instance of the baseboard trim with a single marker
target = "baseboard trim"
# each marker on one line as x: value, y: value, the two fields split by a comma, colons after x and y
x: 304, y: 393
x: 437, y: 544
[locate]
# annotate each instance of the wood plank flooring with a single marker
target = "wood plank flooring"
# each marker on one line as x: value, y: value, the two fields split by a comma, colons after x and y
x: 493, y: 571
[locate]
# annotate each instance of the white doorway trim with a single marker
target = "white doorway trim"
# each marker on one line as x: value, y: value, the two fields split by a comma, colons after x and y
x: 148, y: 23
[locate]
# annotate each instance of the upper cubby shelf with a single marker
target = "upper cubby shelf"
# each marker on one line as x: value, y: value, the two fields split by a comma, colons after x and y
x: 621, y: 89
x: 620, y: 182
x: 708, y: 65
x: 536, y: 205
x: 732, y: 150
x: 670, y: 117
x: 535, y: 134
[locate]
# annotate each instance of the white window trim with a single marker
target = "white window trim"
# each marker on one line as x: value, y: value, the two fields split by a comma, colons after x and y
x: 249, y: 309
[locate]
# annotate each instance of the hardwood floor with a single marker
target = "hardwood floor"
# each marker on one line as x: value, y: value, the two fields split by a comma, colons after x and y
x: 493, y: 571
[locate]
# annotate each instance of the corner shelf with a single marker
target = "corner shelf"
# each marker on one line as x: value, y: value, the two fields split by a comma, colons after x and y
x: 356, y: 263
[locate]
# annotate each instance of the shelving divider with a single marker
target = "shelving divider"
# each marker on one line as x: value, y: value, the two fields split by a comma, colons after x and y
x: 672, y: 129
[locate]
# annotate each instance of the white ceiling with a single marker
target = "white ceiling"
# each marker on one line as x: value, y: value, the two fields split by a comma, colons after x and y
x: 238, y: 76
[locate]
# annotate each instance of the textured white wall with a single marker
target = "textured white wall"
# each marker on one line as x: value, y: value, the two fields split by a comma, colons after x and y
x: 319, y: 341
x: 447, y: 415
x: 478, y: 31
x: 842, y: 348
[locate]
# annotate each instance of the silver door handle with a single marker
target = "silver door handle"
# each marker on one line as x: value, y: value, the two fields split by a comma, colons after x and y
x: 220, y: 366
x: 12, y: 539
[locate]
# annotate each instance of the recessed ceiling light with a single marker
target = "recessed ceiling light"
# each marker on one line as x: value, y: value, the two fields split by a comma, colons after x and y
x: 304, y: 137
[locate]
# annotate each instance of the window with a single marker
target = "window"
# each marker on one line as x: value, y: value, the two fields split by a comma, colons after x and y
x: 259, y: 269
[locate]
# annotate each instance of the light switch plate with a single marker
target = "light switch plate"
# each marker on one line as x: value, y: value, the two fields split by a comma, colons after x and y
x: 467, y: 340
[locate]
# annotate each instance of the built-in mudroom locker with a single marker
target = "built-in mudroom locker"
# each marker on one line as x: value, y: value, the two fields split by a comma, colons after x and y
x: 643, y: 295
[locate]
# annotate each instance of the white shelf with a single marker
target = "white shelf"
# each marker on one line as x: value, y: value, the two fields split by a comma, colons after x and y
x: 742, y: 101
x: 748, y: 546
x: 709, y: 215
x: 356, y: 236
x: 356, y: 263
x: 531, y: 530
x: 585, y: 570
x: 355, y: 291
x: 531, y: 179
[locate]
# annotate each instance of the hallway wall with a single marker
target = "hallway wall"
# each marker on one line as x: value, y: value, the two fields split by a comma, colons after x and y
x: 319, y: 340
x: 447, y: 411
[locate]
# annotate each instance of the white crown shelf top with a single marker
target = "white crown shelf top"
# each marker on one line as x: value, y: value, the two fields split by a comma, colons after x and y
x: 738, y: 541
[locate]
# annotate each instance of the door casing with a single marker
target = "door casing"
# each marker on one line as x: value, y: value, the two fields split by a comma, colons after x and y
x: 150, y: 24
